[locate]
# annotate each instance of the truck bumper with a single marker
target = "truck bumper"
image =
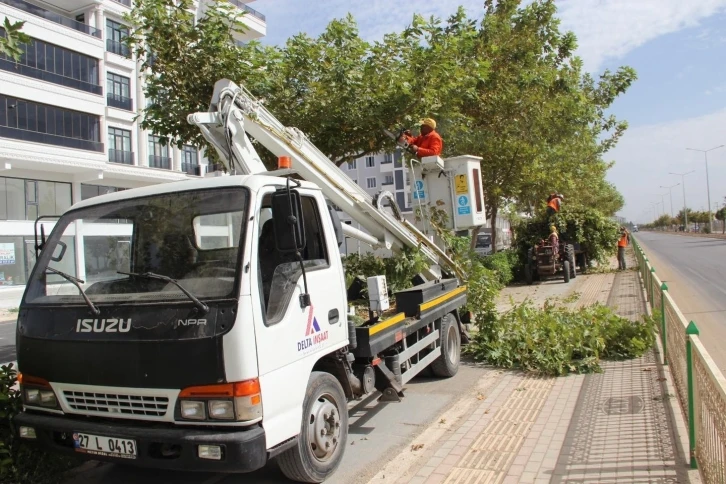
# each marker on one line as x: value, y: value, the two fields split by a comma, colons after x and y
x: 157, y: 447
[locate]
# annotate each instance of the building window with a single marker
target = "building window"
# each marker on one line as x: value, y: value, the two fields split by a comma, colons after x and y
x: 370, y: 162
x: 352, y: 165
x: 387, y: 158
x: 22, y: 199
x: 48, y: 62
x: 388, y: 180
x: 90, y: 191
x: 119, y: 146
x: 118, y: 92
x: 190, y: 160
x: 41, y: 123
x: 158, y: 153
x: 371, y: 182
x: 115, y: 35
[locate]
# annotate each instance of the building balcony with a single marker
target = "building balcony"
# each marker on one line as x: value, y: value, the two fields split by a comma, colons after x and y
x: 53, y: 17
x: 119, y: 156
x: 160, y: 162
x: 118, y: 48
x: 247, y: 9
x: 40, y: 74
x: 120, y: 102
x: 191, y: 169
x: 49, y: 139
x: 255, y: 23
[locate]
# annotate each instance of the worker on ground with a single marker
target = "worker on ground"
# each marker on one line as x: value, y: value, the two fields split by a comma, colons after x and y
x: 554, y: 201
x: 428, y: 143
x: 622, y: 244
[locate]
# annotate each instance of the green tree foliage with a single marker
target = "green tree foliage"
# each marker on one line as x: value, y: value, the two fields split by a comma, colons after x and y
x: 556, y: 340
x: 183, y: 58
x: 721, y: 216
x: 663, y: 221
x: 596, y: 233
x: 10, y: 42
x: 538, y: 121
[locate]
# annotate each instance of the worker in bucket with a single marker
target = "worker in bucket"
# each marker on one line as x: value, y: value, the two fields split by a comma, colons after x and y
x: 428, y: 143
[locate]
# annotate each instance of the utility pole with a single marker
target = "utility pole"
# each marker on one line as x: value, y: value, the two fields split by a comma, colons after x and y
x: 708, y: 185
x: 685, y: 208
x: 670, y: 192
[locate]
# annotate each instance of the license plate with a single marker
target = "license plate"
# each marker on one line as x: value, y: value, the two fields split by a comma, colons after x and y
x: 104, y: 446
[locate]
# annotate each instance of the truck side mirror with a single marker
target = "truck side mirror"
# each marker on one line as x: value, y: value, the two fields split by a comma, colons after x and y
x: 287, y: 221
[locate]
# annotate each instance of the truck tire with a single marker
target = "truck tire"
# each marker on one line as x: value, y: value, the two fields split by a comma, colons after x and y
x: 447, y: 364
x: 570, y: 256
x: 323, y: 432
x: 566, y: 270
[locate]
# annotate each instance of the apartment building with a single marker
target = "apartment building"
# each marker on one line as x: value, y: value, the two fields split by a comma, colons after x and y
x: 68, y: 130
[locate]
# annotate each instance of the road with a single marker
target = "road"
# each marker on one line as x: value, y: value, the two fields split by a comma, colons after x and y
x: 7, y: 341
x: 694, y: 269
x: 378, y: 432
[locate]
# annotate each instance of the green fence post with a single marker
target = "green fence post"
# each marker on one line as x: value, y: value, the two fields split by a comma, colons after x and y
x: 663, y: 289
x: 652, y: 273
x: 691, y: 330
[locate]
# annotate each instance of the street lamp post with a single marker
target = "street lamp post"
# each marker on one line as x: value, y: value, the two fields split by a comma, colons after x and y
x: 708, y: 186
x: 670, y: 192
x: 685, y: 208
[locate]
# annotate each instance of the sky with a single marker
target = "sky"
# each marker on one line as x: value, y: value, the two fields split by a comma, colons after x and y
x: 677, y: 47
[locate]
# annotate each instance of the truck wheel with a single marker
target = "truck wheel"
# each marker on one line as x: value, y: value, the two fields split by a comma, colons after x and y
x: 323, y: 433
x: 447, y: 364
x: 566, y: 270
x: 528, y: 274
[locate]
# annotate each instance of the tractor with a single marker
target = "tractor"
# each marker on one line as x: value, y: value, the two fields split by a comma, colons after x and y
x: 544, y: 261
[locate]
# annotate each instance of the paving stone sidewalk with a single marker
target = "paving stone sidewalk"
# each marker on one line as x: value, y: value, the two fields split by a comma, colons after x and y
x: 616, y: 426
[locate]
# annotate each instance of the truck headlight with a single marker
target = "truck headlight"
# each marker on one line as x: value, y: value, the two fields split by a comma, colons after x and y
x: 238, y: 401
x: 32, y: 396
x: 192, y: 409
x: 221, y: 409
x: 37, y: 392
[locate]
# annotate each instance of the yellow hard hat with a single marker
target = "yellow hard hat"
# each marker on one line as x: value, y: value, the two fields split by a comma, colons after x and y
x: 553, y: 228
x: 428, y: 122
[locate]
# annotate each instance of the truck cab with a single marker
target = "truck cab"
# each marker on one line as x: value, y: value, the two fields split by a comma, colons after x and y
x: 222, y: 340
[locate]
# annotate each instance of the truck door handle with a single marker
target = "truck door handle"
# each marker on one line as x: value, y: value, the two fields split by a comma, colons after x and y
x: 333, y: 316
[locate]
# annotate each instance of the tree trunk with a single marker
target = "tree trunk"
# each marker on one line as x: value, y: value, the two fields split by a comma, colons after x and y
x: 495, y: 210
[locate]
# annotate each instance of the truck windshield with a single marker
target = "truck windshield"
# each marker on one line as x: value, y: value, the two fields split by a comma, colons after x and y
x: 192, y: 238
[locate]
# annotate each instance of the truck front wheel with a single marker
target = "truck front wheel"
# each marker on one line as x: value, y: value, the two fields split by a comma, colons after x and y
x: 323, y: 433
x: 447, y: 364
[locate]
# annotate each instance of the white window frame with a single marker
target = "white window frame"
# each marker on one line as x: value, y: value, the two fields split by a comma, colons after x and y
x: 371, y: 182
x: 370, y: 162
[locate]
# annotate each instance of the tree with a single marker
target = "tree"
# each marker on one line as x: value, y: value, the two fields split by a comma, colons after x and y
x: 183, y: 59
x: 538, y: 122
x: 340, y: 90
x: 9, y: 42
x: 721, y: 216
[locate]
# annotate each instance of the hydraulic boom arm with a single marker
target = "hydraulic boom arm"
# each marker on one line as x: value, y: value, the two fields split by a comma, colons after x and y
x: 234, y: 112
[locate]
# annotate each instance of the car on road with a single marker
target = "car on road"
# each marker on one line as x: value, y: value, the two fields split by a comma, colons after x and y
x: 635, y: 228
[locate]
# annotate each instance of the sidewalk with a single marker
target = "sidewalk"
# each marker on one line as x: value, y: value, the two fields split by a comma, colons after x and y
x: 616, y: 426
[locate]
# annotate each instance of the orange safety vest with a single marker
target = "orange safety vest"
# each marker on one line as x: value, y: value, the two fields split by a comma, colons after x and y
x: 554, y: 204
x: 623, y: 242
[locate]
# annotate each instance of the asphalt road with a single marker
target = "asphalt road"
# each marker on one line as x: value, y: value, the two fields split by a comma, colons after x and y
x: 7, y: 341
x: 694, y: 269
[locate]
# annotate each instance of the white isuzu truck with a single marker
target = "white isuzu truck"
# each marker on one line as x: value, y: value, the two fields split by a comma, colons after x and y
x: 221, y: 337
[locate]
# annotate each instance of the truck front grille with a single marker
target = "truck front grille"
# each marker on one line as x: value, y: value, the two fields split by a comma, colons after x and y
x: 114, y: 404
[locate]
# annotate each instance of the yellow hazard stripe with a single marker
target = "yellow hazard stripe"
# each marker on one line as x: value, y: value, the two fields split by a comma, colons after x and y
x: 387, y: 323
x: 435, y: 302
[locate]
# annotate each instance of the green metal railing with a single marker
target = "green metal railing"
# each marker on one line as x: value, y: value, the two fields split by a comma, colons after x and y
x: 700, y: 385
